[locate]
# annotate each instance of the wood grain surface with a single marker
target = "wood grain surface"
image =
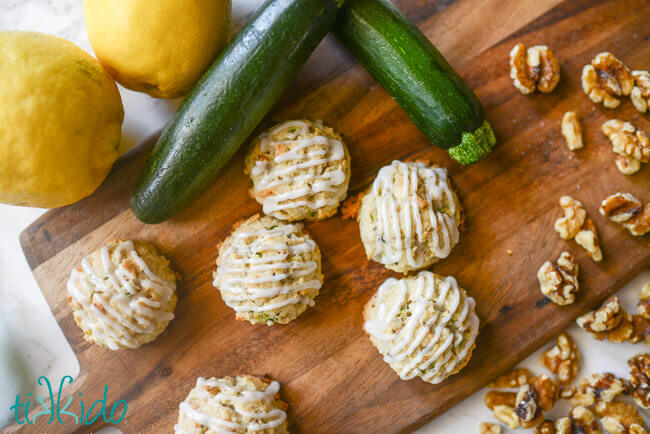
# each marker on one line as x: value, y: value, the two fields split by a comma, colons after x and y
x: 334, y: 378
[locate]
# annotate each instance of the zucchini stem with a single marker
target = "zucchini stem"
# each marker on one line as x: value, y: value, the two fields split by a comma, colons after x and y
x: 474, y: 146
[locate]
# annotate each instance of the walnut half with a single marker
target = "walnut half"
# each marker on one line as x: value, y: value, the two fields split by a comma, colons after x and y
x: 563, y: 359
x: 580, y: 420
x: 576, y: 225
x: 535, y: 68
x: 627, y: 140
x: 605, y: 78
x: 627, y: 210
x: 640, y: 95
x: 620, y: 417
x: 596, y: 388
x: 609, y: 322
x: 559, y: 281
x: 572, y: 130
x: 639, y: 379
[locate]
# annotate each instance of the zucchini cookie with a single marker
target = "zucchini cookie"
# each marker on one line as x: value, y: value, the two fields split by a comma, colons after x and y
x: 268, y: 271
x: 243, y: 404
x: 123, y: 295
x: 300, y: 170
x: 410, y: 217
x: 423, y: 325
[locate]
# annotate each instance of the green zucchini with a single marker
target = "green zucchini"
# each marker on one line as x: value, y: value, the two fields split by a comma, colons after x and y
x: 418, y: 77
x: 229, y: 101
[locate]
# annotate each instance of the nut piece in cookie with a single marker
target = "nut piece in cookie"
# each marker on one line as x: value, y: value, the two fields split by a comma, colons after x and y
x: 605, y: 78
x: 559, y: 281
x: 300, y: 170
x: 268, y: 271
x: 627, y: 210
x: 423, y: 325
x: 489, y: 428
x: 242, y: 404
x: 640, y: 95
x: 627, y: 140
x: 620, y: 417
x: 639, y: 379
x: 609, y: 322
x: 535, y: 68
x: 563, y: 359
x: 123, y: 295
x: 572, y: 130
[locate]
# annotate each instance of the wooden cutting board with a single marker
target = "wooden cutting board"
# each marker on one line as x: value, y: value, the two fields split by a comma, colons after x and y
x: 334, y: 378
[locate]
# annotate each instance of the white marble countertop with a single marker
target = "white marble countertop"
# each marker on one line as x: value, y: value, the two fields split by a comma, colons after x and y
x: 31, y: 343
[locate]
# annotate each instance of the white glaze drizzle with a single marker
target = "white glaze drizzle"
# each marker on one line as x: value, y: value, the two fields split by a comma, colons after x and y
x: 405, y: 344
x: 256, y: 258
x: 239, y: 400
x: 111, y: 301
x: 399, y: 220
x: 315, y: 151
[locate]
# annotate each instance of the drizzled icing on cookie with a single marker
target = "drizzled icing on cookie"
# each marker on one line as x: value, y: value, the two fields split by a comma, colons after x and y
x: 114, y: 304
x: 401, y: 213
x: 288, y: 182
x: 228, y: 398
x: 402, y: 341
x: 273, y: 256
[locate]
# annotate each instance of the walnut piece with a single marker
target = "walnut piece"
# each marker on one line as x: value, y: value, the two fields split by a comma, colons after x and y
x: 596, y: 388
x: 641, y: 333
x: 563, y: 359
x: 640, y: 94
x: 526, y: 404
x: 587, y: 238
x: 579, y: 421
x: 620, y: 417
x: 559, y: 281
x: 605, y: 78
x: 572, y: 131
x: 535, y: 68
x: 627, y: 165
x: 507, y: 415
x: 627, y: 210
x: 489, y: 428
x: 639, y: 379
x: 575, y: 224
x: 547, y: 391
x: 644, y: 301
x: 609, y: 322
x: 574, y: 217
x: 494, y: 398
x: 546, y: 427
x: 510, y: 380
x: 627, y: 139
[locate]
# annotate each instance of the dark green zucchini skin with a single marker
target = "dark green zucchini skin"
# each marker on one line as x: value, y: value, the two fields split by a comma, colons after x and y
x: 416, y: 74
x: 229, y: 101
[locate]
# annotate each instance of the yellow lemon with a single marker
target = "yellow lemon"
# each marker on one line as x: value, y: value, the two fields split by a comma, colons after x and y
x: 60, y: 121
x: 161, y: 47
